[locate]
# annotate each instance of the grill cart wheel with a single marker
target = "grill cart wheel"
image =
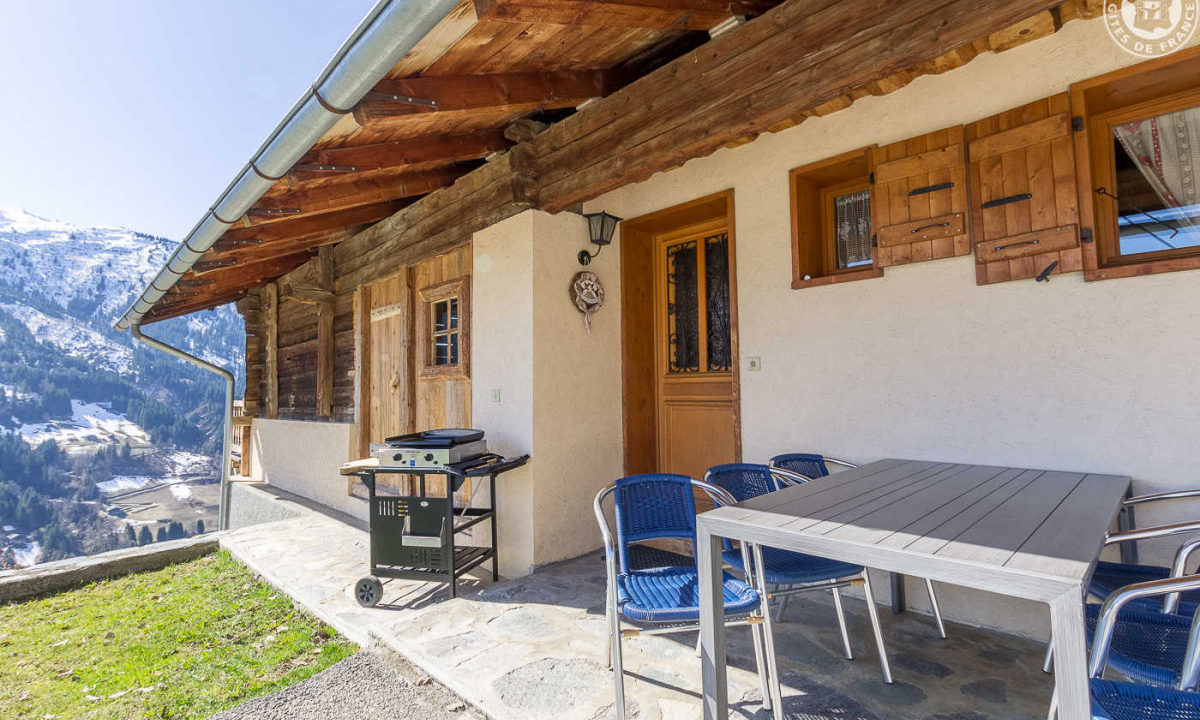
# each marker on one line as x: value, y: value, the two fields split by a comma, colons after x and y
x: 368, y: 591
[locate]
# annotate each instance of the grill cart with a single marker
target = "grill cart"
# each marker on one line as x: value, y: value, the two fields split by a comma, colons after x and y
x: 412, y: 537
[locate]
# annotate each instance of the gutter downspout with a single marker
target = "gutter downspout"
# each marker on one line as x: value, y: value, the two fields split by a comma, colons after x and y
x: 227, y: 440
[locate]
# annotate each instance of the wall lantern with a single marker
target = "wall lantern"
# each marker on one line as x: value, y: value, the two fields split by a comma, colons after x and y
x: 601, y: 227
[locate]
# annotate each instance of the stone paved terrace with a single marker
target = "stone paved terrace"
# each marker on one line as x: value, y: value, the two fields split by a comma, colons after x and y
x: 534, y: 647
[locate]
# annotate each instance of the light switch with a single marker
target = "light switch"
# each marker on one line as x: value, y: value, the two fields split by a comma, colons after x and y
x: 755, y: 364
x: 496, y: 395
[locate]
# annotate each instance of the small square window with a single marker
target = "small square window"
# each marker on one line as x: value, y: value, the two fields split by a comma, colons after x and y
x: 831, y: 221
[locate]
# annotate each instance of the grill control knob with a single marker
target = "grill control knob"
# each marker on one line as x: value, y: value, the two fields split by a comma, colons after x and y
x: 428, y: 457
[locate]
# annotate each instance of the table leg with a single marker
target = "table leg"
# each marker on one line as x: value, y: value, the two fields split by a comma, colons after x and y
x: 712, y: 625
x: 899, y: 604
x: 1070, y: 657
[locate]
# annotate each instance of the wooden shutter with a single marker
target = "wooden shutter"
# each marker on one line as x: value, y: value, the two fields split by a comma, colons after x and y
x: 919, y: 200
x: 1025, y: 202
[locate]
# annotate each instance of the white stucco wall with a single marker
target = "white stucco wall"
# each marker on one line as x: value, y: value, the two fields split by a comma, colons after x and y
x: 303, y: 458
x: 560, y: 386
x: 923, y: 363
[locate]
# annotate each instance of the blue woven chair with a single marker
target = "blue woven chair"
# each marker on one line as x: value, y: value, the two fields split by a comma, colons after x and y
x: 797, y: 571
x: 1147, y: 647
x: 812, y: 466
x: 1114, y: 630
x: 666, y: 597
x: 1127, y: 701
x: 1108, y: 576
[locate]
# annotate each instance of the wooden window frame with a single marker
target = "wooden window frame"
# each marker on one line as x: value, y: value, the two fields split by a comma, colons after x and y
x: 1144, y: 90
x: 813, y: 188
x: 459, y: 288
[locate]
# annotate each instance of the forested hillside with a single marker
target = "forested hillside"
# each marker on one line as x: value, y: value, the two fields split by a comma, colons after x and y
x: 103, y: 441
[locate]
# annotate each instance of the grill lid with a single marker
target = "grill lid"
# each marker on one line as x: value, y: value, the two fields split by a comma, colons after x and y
x: 443, y: 438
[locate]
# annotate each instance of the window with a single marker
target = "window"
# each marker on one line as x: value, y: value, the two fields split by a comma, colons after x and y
x: 1155, y: 194
x: 1141, y: 145
x: 444, y: 327
x: 831, y: 221
x: 445, y: 332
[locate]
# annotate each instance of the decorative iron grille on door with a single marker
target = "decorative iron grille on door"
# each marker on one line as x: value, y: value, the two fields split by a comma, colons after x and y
x: 698, y: 323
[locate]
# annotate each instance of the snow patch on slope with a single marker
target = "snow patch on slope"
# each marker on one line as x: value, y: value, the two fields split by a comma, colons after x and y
x: 73, y: 338
x: 90, y: 428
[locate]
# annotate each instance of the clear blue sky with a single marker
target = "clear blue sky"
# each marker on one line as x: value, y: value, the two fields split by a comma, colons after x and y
x: 139, y: 112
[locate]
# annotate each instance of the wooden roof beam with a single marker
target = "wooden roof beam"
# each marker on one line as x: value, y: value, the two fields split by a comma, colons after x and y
x: 650, y: 14
x: 354, y: 192
x: 412, y: 154
x: 304, y: 227
x: 512, y: 92
x: 287, y: 246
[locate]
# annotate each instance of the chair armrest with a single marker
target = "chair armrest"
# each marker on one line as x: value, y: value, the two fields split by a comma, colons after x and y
x: 1152, y: 532
x: 1178, y: 568
x: 789, y: 478
x: 720, y: 496
x: 843, y: 463
x: 1107, y: 623
x: 605, y: 530
x: 1157, y: 497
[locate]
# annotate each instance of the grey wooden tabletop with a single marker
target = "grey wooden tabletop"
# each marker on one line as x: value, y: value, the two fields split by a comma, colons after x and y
x: 1030, y: 533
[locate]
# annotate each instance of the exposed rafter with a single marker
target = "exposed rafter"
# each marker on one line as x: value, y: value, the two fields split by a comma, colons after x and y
x: 515, y: 92
x: 353, y: 192
x: 408, y: 154
x: 654, y: 14
x: 239, y: 238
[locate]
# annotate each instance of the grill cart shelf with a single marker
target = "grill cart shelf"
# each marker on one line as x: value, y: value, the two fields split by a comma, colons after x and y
x: 412, y: 536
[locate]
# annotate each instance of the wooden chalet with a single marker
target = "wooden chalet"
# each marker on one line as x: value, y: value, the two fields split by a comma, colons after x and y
x: 414, y: 269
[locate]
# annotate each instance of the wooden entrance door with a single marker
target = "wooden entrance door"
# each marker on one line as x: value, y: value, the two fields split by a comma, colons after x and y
x: 696, y: 395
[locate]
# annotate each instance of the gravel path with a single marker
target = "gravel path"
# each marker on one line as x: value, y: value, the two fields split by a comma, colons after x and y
x: 361, y: 687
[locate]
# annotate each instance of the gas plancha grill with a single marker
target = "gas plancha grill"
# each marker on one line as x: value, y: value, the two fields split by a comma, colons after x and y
x: 412, y: 537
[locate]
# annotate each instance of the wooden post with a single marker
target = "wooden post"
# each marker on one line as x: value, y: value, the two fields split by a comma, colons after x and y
x: 362, y: 370
x: 325, y: 349
x: 270, y: 320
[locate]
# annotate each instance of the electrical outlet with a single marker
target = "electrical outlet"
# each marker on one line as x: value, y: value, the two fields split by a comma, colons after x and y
x: 496, y: 395
x: 755, y: 364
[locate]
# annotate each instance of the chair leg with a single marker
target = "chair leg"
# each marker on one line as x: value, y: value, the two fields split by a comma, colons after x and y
x: 699, y: 649
x: 1053, y: 705
x: 783, y: 603
x: 608, y: 638
x: 618, y: 670
x: 937, y: 611
x: 768, y: 631
x: 874, y: 613
x: 1048, y: 664
x: 756, y: 630
x: 614, y: 638
x: 841, y: 615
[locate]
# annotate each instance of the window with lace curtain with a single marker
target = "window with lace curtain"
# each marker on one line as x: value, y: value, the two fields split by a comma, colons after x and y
x: 831, y: 221
x: 1142, y: 146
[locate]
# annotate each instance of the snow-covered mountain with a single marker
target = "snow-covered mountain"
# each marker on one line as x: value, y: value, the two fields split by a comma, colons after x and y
x: 68, y: 284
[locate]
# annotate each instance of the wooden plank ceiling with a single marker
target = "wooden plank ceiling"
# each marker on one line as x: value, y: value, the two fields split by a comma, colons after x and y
x: 488, y: 64
x: 493, y: 65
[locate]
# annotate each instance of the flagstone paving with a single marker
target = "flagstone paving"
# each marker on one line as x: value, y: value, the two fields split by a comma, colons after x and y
x: 534, y: 647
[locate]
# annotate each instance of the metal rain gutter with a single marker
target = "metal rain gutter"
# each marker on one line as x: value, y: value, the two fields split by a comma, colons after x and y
x: 227, y: 437
x: 389, y: 32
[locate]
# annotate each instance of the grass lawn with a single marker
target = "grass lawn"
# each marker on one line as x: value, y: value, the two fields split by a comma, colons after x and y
x: 182, y: 642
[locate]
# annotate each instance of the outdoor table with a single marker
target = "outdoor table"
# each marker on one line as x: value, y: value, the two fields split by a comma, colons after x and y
x: 1033, y: 534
